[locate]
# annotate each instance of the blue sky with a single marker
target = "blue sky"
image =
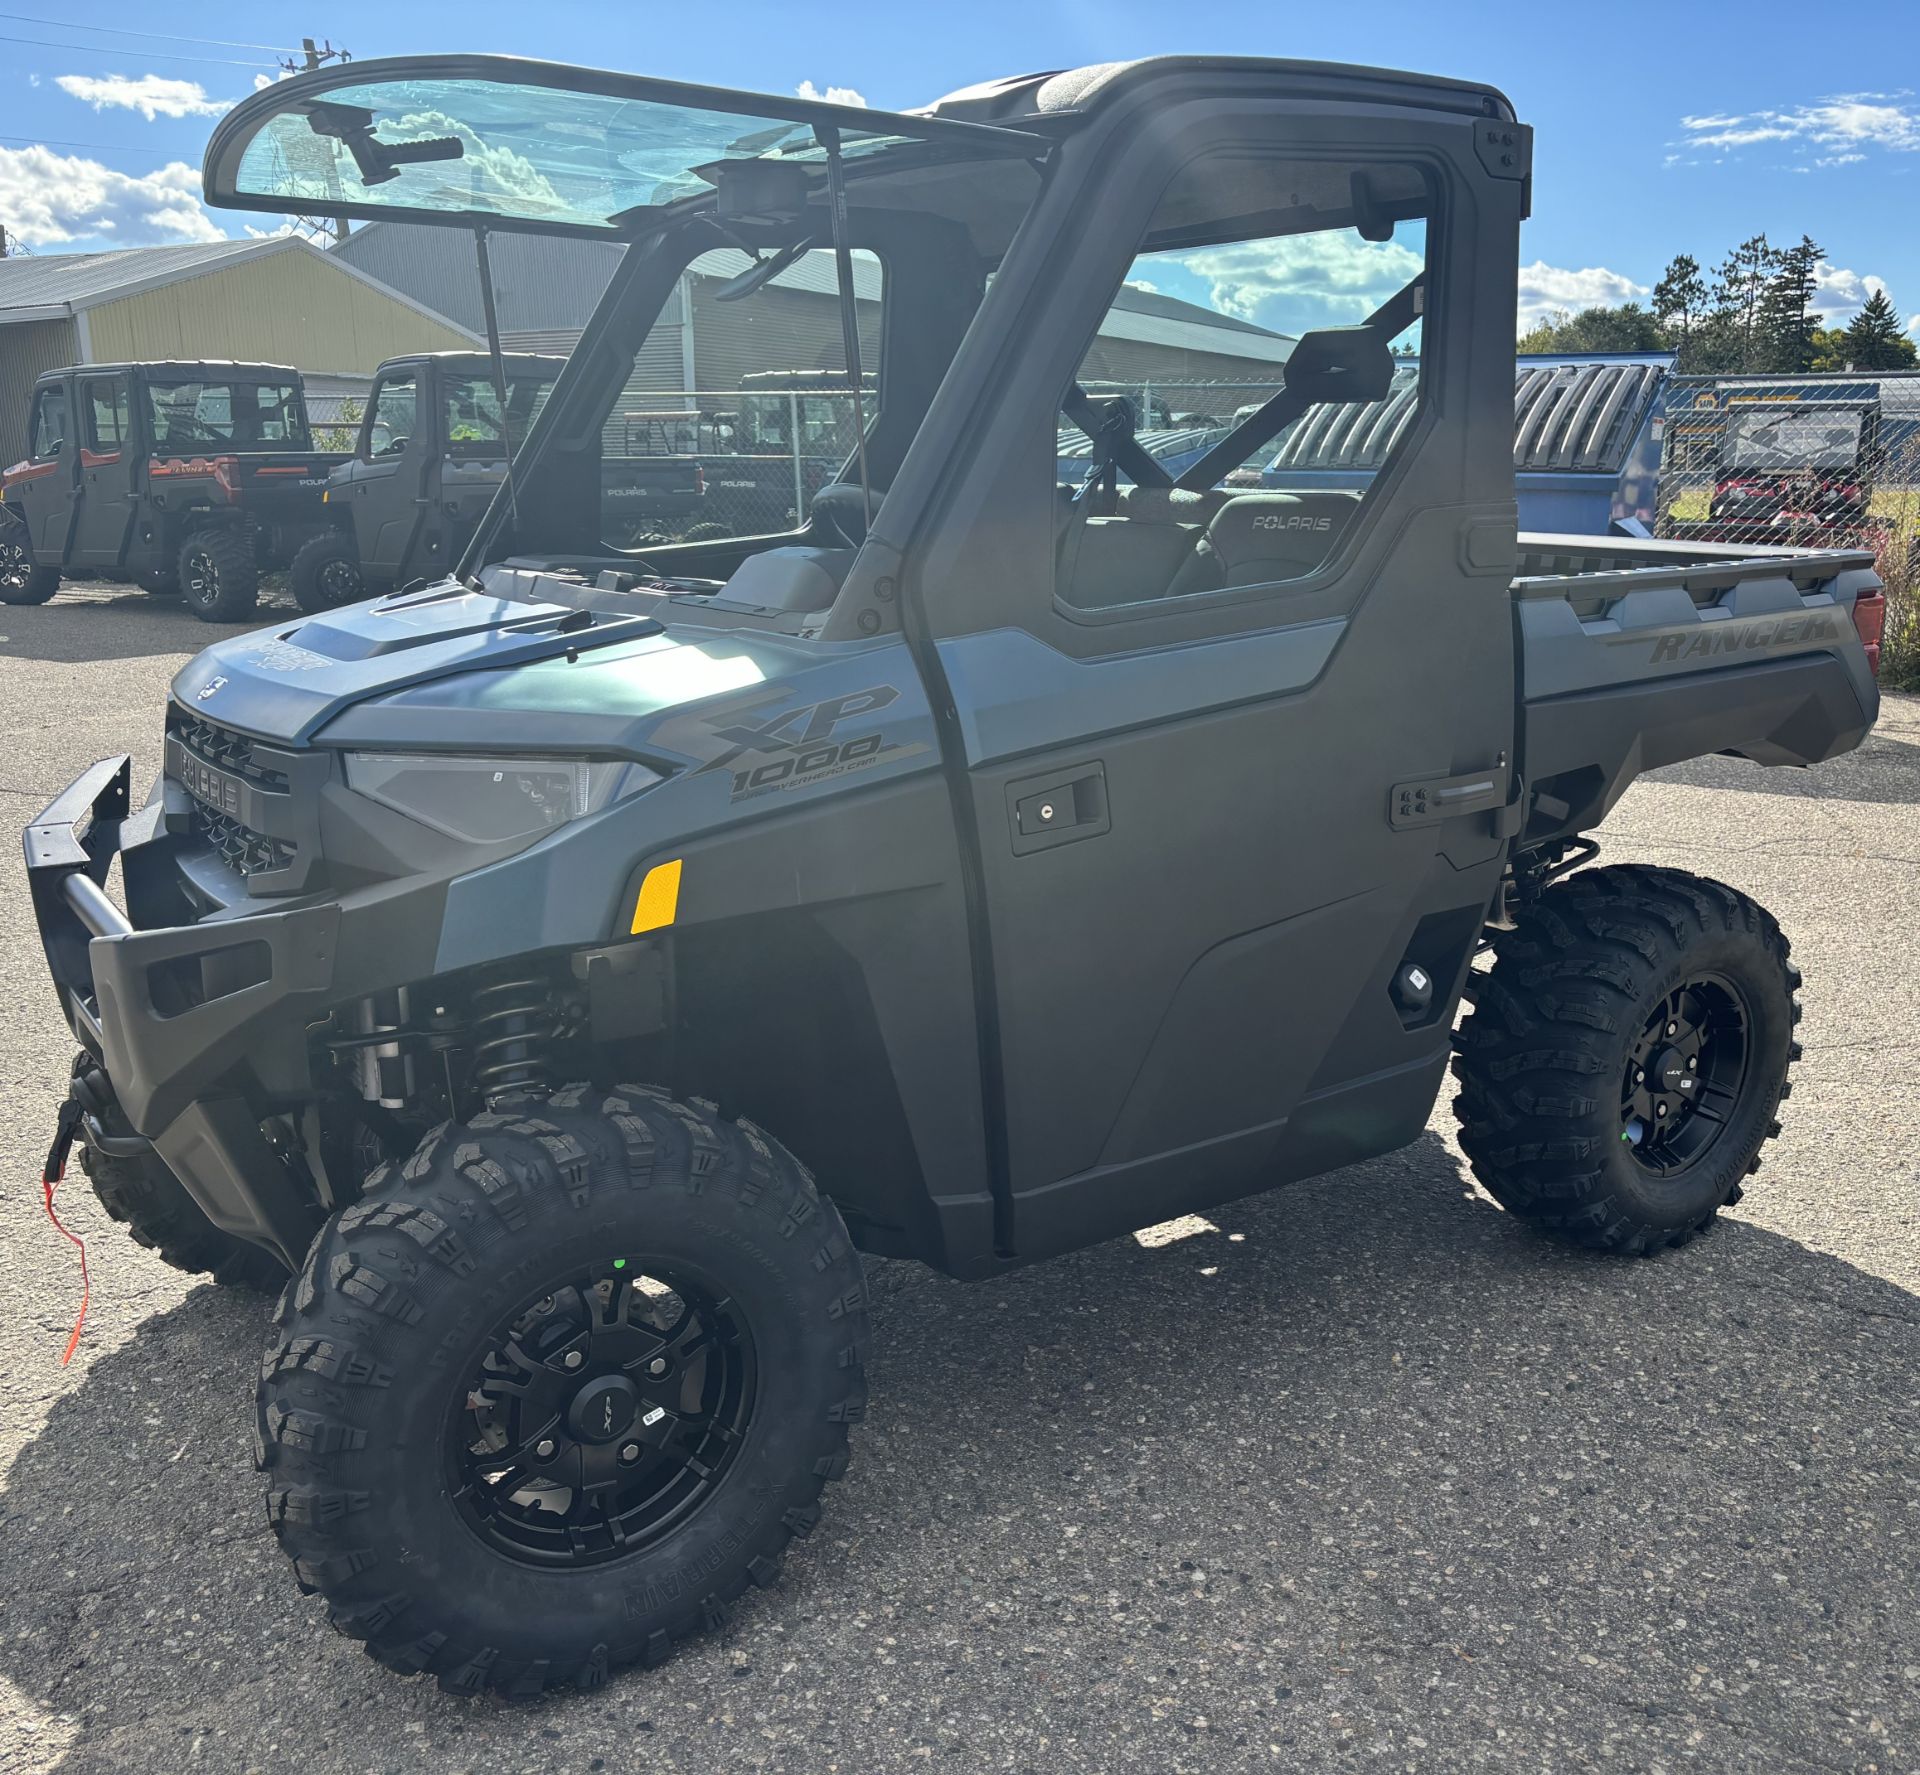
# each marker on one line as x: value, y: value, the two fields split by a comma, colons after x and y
x: 1661, y: 128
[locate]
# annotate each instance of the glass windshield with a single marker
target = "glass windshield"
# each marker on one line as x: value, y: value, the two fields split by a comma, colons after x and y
x: 538, y: 152
x: 227, y: 416
x: 1794, y: 440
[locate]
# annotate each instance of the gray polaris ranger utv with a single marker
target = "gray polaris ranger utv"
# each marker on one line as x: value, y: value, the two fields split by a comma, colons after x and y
x: 565, y: 971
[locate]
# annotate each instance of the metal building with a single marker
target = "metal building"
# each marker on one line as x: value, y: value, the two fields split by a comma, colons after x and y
x: 279, y: 301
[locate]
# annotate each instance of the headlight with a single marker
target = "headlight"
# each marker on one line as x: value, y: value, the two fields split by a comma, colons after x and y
x: 491, y: 800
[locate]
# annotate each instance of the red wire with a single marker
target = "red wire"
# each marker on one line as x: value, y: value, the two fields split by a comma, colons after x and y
x: 79, y: 1244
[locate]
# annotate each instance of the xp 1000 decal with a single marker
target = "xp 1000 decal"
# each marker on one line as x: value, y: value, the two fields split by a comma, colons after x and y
x: 793, y: 748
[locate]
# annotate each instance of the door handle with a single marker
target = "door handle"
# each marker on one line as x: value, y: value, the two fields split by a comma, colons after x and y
x: 1058, y: 807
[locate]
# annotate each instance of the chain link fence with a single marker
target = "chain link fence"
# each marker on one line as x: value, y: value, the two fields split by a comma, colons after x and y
x: 1802, y: 463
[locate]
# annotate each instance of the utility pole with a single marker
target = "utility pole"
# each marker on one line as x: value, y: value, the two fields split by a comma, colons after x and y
x: 317, y: 56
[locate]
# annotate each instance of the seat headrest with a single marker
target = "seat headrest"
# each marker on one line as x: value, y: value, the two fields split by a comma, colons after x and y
x: 1294, y: 527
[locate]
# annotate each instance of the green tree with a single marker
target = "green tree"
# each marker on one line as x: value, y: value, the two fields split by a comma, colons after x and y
x: 1785, y: 324
x: 1626, y: 328
x: 1680, y: 299
x: 1739, y: 288
x: 1875, y: 340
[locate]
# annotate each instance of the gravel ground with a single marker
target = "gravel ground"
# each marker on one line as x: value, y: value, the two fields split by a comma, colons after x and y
x: 1360, y: 1474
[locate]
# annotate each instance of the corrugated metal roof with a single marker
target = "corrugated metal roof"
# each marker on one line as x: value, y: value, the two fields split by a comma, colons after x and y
x: 80, y: 280
x: 1581, y: 417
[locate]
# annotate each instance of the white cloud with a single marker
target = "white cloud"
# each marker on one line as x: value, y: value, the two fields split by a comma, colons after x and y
x: 1143, y: 284
x: 1839, y: 294
x: 1302, y: 280
x: 1846, y: 125
x: 833, y: 95
x: 50, y: 199
x: 152, y: 95
x: 1546, y: 288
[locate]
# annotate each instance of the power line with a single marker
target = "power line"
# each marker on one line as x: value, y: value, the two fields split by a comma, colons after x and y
x: 123, y: 149
x: 21, y: 18
x: 152, y: 55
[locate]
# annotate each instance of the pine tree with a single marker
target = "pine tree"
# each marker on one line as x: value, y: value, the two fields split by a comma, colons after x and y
x: 1680, y: 300
x: 1739, y: 287
x: 1875, y: 341
x: 1785, y: 324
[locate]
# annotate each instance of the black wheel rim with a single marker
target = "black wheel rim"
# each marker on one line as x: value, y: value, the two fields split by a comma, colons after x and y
x: 15, y: 568
x: 602, y: 1414
x: 1685, y: 1075
x: 340, y: 581
x: 200, y: 578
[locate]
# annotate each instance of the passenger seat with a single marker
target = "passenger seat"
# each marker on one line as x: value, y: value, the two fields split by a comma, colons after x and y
x: 1137, y: 554
x: 1259, y: 538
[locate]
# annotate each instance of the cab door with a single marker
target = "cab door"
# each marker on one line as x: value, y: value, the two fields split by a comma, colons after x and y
x: 387, y: 494
x: 103, y: 516
x: 1233, y: 762
x: 46, y: 486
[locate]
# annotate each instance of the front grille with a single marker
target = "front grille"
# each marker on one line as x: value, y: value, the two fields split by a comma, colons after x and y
x: 226, y: 750
x: 230, y: 779
x: 240, y: 847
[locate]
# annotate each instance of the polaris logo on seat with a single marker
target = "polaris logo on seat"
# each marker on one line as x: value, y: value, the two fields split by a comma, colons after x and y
x: 1274, y: 521
x: 1745, y: 637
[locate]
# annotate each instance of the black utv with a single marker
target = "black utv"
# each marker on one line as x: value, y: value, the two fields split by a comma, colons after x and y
x: 561, y: 974
x: 188, y: 479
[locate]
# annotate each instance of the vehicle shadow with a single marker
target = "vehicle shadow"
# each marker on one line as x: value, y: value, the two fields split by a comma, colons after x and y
x: 1882, y: 768
x: 93, y: 620
x: 1364, y: 1455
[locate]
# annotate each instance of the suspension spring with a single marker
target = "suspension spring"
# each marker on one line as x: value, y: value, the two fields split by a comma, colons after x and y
x: 514, y: 1023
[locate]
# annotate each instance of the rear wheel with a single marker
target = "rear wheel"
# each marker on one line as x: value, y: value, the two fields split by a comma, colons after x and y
x: 21, y: 582
x: 153, y: 1205
x: 555, y: 1392
x: 1626, y: 1056
x: 326, y: 573
x: 219, y: 578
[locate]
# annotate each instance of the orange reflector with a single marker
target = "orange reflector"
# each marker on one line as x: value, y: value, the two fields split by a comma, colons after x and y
x: 659, y: 898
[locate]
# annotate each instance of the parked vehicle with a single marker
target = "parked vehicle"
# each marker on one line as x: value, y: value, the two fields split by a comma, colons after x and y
x: 565, y: 971
x: 185, y: 478
x: 431, y: 454
x: 765, y: 461
x: 1788, y: 464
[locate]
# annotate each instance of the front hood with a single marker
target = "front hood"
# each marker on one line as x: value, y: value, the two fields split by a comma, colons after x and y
x: 287, y: 683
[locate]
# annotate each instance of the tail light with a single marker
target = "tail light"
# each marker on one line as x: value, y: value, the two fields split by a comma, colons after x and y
x: 226, y: 476
x: 1870, y: 620
x: 700, y: 479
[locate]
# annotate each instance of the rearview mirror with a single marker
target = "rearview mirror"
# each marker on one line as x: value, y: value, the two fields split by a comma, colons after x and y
x: 1340, y: 365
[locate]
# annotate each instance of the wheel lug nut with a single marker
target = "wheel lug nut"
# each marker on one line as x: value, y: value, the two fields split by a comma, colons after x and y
x: 573, y: 1359
x: 544, y: 1448
x: 1673, y: 1029
x: 1639, y: 1077
x: 1693, y: 1066
x: 657, y: 1366
x: 631, y: 1452
x: 1662, y: 1110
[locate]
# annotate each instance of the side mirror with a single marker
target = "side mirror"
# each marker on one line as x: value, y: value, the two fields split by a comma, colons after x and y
x: 1340, y: 365
x: 54, y: 448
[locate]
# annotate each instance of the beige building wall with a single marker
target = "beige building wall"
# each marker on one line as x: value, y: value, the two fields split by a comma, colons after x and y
x: 289, y: 307
x: 28, y: 348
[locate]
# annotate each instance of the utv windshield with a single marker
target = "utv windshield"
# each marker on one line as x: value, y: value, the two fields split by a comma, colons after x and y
x: 489, y: 137
x: 1780, y: 442
x: 227, y: 416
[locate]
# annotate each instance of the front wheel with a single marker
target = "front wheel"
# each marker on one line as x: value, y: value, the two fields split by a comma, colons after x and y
x: 326, y: 573
x: 219, y: 577
x: 555, y: 1392
x: 153, y: 1205
x: 1627, y: 1055
x: 21, y: 582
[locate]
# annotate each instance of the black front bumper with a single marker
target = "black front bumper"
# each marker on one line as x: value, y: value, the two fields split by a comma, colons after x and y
x: 196, y: 1025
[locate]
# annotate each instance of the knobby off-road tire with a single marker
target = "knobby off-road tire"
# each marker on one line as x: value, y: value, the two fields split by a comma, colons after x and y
x: 153, y: 1205
x: 21, y: 582
x: 390, y: 1390
x: 325, y: 573
x: 219, y: 577
x: 1578, y: 1111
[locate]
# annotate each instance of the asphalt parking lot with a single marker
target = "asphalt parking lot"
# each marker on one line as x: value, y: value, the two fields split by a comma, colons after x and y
x: 1356, y: 1475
